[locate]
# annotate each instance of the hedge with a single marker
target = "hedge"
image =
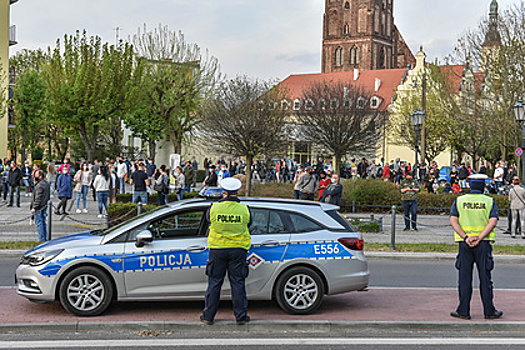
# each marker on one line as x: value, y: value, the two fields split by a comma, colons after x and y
x: 117, y: 212
x: 153, y: 198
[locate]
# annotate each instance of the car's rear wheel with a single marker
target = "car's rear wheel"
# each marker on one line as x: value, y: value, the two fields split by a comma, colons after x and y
x: 86, y: 291
x: 299, y: 291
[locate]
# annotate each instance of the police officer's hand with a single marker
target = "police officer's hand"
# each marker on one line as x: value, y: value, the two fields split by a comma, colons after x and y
x: 472, y: 241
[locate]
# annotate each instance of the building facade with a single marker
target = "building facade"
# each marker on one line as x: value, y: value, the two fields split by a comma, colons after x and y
x: 7, y: 38
x: 362, y: 34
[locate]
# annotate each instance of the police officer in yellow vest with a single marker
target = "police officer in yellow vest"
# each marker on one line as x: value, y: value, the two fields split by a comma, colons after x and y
x: 474, y: 217
x: 228, y: 242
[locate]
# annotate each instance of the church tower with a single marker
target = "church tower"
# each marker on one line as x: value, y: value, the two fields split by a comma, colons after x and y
x: 492, y: 43
x: 362, y: 34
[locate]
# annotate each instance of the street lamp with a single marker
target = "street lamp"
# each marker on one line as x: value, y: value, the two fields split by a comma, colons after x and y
x: 519, y: 113
x: 417, y: 118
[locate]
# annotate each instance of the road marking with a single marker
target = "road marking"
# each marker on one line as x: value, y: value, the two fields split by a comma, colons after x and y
x: 7, y: 287
x: 146, y: 343
x: 440, y: 288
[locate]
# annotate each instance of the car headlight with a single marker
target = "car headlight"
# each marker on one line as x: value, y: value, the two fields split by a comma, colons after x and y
x: 40, y: 257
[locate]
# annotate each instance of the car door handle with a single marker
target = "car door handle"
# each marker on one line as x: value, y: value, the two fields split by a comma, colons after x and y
x: 196, y: 248
x: 270, y: 243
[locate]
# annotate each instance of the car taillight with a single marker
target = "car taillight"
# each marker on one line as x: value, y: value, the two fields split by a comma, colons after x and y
x: 352, y: 243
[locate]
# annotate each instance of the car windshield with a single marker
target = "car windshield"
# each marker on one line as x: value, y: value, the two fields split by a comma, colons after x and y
x: 130, y: 221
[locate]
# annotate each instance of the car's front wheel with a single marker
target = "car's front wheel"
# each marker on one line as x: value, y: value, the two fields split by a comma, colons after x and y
x: 86, y: 291
x: 299, y: 291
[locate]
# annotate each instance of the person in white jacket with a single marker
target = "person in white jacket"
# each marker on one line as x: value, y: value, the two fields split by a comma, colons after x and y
x: 517, y: 206
x: 101, y: 185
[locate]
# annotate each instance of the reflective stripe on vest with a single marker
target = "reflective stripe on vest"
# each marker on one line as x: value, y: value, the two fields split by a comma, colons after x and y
x: 474, y: 211
x: 229, y: 226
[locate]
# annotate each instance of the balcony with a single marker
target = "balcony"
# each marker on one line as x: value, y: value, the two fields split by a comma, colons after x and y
x: 12, y: 35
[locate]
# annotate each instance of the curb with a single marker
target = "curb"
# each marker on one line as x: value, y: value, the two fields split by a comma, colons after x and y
x: 264, y: 326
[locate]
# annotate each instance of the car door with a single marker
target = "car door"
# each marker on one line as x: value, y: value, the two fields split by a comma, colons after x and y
x: 270, y: 233
x: 173, y: 264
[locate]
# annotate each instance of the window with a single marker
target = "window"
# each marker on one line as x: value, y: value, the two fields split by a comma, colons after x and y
x: 322, y: 104
x: 361, y: 102
x: 302, y: 224
x: 296, y: 105
x: 309, y: 105
x: 185, y: 224
x: 339, y: 57
x: 347, y: 6
x: 354, y: 56
x: 266, y: 221
x: 346, y: 29
x: 334, y: 103
x: 375, y: 102
x: 285, y: 105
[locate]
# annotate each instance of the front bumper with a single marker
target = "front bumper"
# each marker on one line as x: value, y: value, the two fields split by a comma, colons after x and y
x: 32, y: 285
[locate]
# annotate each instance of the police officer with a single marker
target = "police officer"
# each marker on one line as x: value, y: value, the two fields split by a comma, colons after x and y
x: 473, y: 217
x: 228, y: 241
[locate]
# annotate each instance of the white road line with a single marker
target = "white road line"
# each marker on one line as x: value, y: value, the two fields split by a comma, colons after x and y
x: 145, y: 343
x: 440, y: 288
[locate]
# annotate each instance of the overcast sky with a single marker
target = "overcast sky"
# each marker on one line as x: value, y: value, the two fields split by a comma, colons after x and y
x: 260, y: 38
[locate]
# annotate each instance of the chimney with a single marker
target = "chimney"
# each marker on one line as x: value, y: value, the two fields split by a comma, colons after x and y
x: 356, y: 74
x: 378, y: 84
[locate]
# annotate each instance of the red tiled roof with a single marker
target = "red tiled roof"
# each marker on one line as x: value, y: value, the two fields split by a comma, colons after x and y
x: 390, y: 80
x: 454, y: 73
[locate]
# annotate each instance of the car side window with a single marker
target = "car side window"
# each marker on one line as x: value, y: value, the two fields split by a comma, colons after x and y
x: 303, y: 224
x: 178, y: 225
x: 275, y: 223
x: 259, y: 224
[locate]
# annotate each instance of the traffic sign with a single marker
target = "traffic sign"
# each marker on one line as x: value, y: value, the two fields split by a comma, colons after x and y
x: 519, y: 152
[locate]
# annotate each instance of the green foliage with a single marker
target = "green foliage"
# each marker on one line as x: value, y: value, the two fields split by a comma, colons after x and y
x: 365, y: 225
x: 153, y: 199
x: 88, y: 86
x: 42, y: 164
x: 370, y: 192
x: 201, y: 174
x: 119, y: 212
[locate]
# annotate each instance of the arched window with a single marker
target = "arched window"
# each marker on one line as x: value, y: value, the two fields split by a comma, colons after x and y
x: 381, y: 59
x: 339, y: 57
x: 346, y: 29
x: 354, y: 56
x: 347, y: 5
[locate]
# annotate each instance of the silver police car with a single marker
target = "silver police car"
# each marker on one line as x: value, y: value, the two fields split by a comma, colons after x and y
x: 300, y: 252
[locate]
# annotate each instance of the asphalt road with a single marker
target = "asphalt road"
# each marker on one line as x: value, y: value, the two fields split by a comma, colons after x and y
x: 383, y: 273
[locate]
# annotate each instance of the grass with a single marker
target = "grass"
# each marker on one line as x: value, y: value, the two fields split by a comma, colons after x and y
x: 440, y: 248
x: 23, y: 245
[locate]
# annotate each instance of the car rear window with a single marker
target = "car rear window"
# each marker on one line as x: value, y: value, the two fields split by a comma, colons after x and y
x: 337, y: 217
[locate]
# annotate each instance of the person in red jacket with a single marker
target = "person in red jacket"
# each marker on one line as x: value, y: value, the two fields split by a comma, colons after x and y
x: 386, y: 172
x: 323, y: 183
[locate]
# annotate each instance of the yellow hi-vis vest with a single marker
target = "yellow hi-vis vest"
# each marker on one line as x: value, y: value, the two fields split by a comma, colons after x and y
x: 474, y: 211
x: 229, y: 226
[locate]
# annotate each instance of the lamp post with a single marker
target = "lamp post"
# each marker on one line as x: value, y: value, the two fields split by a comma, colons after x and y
x: 417, y: 118
x: 519, y: 113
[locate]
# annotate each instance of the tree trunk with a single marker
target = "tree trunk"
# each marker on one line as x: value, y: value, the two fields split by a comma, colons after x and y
x: 249, y: 162
x: 337, y: 164
x: 152, y: 145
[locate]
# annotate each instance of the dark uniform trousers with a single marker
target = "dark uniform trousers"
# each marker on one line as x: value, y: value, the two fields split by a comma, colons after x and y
x: 232, y: 260
x: 482, y: 256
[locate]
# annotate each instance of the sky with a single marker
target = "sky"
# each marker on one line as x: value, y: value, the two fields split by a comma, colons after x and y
x: 265, y: 39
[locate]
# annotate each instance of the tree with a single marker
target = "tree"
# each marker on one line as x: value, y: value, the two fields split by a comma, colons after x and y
x: 29, y: 102
x: 88, y: 85
x: 243, y: 119
x: 339, y: 118
x: 440, y: 110
x: 178, y: 78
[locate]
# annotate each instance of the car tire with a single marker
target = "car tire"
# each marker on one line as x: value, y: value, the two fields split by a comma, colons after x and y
x: 86, y: 291
x: 299, y: 291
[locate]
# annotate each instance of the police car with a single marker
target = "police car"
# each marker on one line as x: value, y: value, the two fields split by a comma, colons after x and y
x: 300, y: 252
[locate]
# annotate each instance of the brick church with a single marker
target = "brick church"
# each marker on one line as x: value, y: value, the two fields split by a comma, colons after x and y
x: 362, y: 34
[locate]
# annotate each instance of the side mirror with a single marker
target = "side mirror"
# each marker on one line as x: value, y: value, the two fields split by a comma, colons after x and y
x: 144, y: 237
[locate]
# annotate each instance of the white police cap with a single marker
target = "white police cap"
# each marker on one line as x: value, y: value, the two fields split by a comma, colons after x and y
x: 478, y: 177
x: 231, y: 184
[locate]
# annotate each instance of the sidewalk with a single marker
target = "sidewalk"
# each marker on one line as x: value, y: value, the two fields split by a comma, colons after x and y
x: 408, y: 309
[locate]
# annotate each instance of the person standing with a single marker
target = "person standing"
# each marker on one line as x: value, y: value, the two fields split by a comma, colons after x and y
x: 178, y: 181
x: 463, y: 174
x: 222, y: 174
x: 499, y: 177
x: 323, y: 183
x: 228, y: 241
x: 39, y: 201
x: 84, y: 179
x: 474, y: 217
x: 51, y: 177
x: 211, y: 179
x: 189, y: 176
x: 409, y: 189
x: 15, y: 176
x: 114, y: 184
x: 101, y: 185
x: 140, y: 181
x: 298, y: 173
x: 122, y: 170
x: 162, y: 186
x: 26, y: 177
x: 517, y: 207
x: 65, y: 191
x: 334, y: 191
x: 307, y: 185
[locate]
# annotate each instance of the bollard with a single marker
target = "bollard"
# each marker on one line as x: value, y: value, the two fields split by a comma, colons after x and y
x: 49, y: 219
x: 393, y: 229
x: 139, y: 209
x: 353, y: 207
x: 381, y: 225
x: 372, y: 218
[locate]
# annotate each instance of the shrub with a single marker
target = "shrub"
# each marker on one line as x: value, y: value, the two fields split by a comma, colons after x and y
x: 273, y: 189
x: 119, y: 212
x: 153, y: 198
x: 201, y: 175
